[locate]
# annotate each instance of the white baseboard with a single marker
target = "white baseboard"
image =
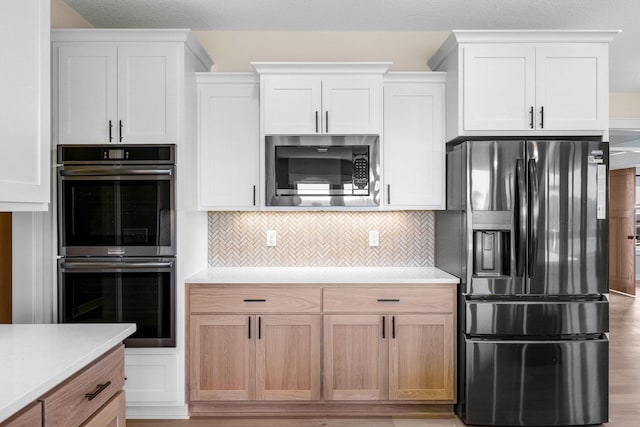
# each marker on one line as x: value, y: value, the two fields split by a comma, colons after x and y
x: 158, y: 412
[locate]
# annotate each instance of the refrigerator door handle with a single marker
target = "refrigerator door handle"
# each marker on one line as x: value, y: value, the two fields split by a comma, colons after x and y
x: 520, y: 218
x: 534, y: 214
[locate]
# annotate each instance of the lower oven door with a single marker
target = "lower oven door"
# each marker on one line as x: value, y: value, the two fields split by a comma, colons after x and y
x: 536, y: 383
x: 127, y: 290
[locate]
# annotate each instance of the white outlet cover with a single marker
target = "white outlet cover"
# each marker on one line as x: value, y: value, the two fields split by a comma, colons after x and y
x: 272, y: 238
x: 374, y: 238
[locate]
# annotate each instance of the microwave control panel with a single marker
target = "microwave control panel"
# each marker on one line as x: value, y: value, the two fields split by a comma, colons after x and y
x: 360, y: 172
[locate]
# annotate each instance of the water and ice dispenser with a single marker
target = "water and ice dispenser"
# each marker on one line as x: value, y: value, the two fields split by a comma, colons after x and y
x: 491, y: 253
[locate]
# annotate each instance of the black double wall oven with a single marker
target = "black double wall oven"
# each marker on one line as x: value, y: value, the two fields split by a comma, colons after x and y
x: 116, y: 238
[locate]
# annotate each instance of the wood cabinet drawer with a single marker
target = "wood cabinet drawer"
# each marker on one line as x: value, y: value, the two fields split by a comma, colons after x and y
x: 254, y: 300
x: 70, y: 403
x: 31, y: 416
x: 389, y: 300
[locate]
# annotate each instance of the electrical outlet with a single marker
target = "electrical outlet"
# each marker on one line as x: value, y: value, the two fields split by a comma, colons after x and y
x: 374, y: 238
x: 272, y: 237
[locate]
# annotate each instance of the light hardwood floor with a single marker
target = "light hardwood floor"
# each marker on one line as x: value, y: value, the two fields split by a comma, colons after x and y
x: 624, y: 387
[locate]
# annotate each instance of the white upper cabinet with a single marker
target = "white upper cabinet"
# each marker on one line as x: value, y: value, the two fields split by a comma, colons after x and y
x: 25, y: 105
x: 88, y: 88
x: 228, y: 141
x: 121, y: 86
x: 414, y: 146
x: 321, y: 98
x: 526, y: 83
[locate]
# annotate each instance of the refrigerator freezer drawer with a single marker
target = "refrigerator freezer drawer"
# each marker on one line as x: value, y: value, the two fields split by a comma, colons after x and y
x: 535, y: 383
x: 541, y: 318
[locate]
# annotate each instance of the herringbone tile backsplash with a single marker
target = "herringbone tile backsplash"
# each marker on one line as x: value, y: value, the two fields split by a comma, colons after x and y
x: 335, y: 239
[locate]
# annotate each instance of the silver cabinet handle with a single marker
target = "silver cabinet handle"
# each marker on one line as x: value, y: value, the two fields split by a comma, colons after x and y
x: 388, y: 194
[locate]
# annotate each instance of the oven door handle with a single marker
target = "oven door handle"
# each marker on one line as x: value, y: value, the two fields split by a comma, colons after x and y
x: 113, y: 172
x: 123, y: 265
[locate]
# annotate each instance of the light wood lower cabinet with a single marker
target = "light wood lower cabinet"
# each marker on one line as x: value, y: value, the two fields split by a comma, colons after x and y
x: 395, y: 357
x: 255, y: 357
x: 377, y: 343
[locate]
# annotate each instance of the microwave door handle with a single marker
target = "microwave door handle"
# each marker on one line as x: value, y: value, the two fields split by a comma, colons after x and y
x: 122, y: 265
x: 113, y: 172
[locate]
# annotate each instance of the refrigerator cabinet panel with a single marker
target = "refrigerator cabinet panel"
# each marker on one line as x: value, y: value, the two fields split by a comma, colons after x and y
x: 536, y: 383
x: 537, y: 318
x: 568, y: 246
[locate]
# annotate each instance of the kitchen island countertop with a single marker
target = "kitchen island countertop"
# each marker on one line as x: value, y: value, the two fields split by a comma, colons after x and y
x: 36, y: 358
x: 322, y: 275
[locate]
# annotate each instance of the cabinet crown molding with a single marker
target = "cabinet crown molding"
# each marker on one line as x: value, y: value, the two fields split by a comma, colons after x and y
x: 517, y: 36
x: 321, y: 67
x: 111, y: 35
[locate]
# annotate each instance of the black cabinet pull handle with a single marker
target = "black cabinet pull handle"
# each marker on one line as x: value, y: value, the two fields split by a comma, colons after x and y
x: 259, y: 327
x: 120, y: 130
x: 110, y: 131
x: 388, y: 194
x: 254, y: 195
x: 100, y: 388
x: 393, y: 327
x: 541, y: 117
x: 383, y: 326
x: 326, y: 120
x: 316, y: 121
x: 249, y: 327
x: 255, y: 300
x: 388, y: 300
x: 531, y: 117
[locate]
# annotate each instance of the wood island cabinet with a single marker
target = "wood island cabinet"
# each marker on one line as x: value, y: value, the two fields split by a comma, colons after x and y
x: 93, y: 397
x: 378, y: 343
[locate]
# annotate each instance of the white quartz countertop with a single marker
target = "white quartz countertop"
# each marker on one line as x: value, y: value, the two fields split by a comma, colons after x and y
x: 322, y: 275
x: 36, y: 358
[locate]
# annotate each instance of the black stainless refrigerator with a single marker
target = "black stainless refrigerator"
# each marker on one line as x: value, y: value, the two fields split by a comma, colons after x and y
x: 526, y: 231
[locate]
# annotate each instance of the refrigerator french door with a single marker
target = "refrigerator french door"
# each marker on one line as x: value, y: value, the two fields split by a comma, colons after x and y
x: 532, y: 220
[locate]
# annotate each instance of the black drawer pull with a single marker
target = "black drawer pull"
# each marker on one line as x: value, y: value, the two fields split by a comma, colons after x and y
x: 99, y: 390
x: 255, y: 300
x: 388, y: 300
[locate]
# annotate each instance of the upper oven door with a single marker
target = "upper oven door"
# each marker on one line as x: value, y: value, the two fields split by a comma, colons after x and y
x: 116, y: 210
x: 321, y: 170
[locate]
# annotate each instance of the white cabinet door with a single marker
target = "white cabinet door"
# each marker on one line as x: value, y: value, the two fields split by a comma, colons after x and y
x: 228, y: 146
x: 25, y: 105
x: 87, y: 94
x: 351, y: 105
x: 147, y: 94
x: 498, y: 87
x: 414, y: 145
x: 292, y: 105
x: 572, y: 86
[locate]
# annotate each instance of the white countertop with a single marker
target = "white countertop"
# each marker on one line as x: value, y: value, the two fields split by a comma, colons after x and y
x: 36, y: 358
x: 322, y: 275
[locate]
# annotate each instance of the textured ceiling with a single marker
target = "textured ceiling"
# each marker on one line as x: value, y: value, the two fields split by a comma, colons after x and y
x: 385, y: 15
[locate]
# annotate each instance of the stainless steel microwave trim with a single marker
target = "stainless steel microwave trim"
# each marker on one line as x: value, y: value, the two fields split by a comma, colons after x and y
x: 275, y: 198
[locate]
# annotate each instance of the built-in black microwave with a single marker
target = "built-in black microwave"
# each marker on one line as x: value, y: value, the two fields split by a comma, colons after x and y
x: 320, y: 171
